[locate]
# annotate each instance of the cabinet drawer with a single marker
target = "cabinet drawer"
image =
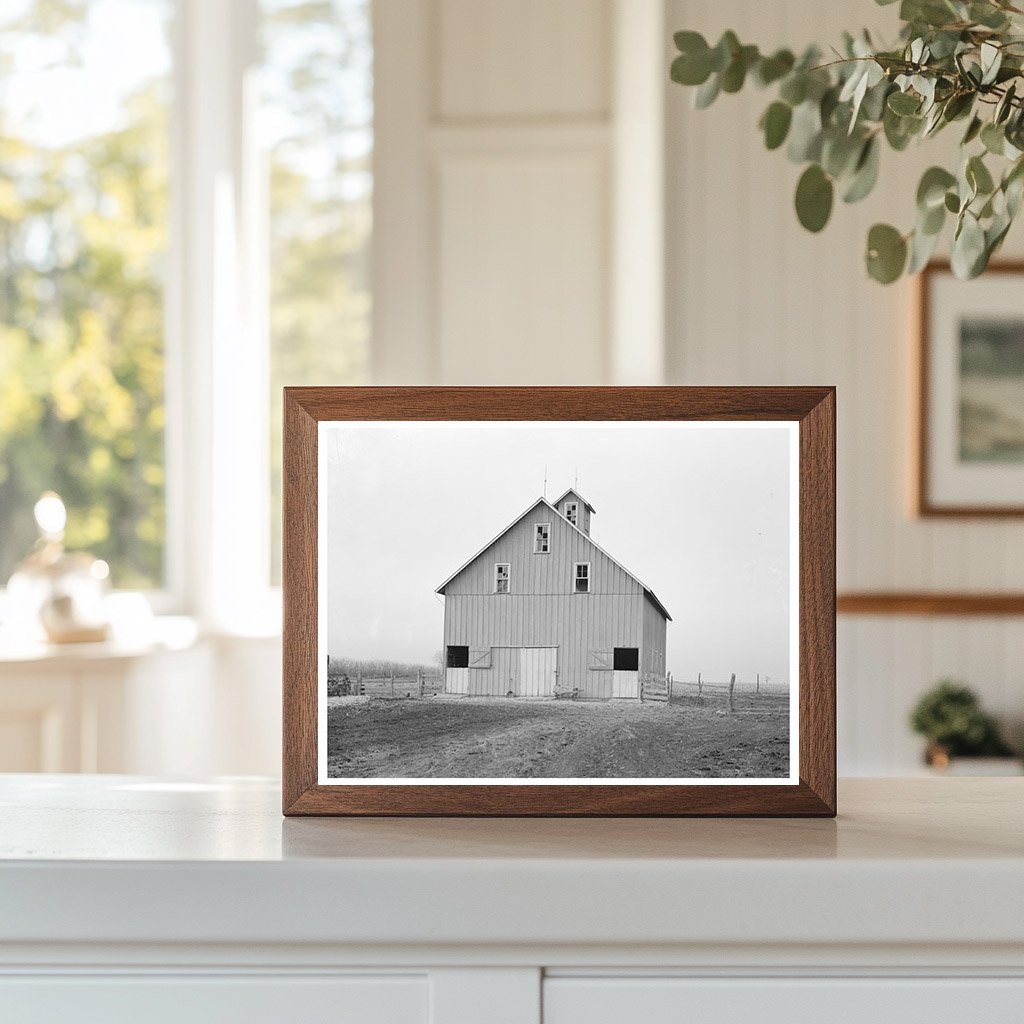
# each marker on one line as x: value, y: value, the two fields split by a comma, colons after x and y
x: 201, y: 999
x: 782, y: 1001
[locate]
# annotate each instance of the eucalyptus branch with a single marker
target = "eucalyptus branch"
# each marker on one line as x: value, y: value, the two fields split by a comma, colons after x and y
x: 954, y: 60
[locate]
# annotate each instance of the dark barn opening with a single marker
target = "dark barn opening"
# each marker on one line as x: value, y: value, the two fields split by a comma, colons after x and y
x: 626, y: 659
x: 458, y: 656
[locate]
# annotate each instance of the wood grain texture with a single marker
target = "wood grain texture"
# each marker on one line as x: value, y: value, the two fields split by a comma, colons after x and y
x: 925, y: 603
x: 813, y: 408
x: 924, y: 505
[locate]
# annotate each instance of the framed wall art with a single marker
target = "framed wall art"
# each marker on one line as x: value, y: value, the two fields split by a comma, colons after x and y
x: 559, y: 601
x: 970, y: 450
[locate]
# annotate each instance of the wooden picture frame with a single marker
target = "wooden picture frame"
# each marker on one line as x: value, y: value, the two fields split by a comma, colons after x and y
x: 942, y: 489
x: 808, y: 791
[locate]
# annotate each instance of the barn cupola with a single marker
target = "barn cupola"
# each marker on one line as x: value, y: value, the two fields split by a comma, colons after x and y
x: 576, y: 509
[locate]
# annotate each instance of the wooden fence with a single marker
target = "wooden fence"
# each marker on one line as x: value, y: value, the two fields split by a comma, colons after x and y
x: 654, y: 687
x: 419, y: 685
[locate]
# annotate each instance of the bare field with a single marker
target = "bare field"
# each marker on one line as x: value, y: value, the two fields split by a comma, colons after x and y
x: 499, y: 738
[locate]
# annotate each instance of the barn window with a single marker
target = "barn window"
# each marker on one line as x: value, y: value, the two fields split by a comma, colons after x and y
x: 572, y: 511
x: 626, y: 659
x: 542, y: 538
x: 501, y: 574
x: 458, y: 656
x: 581, y: 583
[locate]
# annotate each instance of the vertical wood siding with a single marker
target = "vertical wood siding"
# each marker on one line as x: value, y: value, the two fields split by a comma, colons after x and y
x: 541, y: 609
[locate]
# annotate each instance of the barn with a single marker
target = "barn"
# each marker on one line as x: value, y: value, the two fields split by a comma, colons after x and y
x: 543, y: 611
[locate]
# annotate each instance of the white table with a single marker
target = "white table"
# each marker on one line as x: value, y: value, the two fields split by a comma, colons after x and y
x: 125, y: 898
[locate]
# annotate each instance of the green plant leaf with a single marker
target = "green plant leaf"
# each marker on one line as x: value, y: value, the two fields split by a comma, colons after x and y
x: 931, y: 191
x: 978, y: 176
x: 693, y: 65
x: 968, y: 255
x: 707, y: 93
x: 865, y: 173
x: 973, y: 130
x: 904, y: 103
x: 814, y: 195
x: 725, y: 49
x: 771, y: 69
x: 794, y: 89
x: 922, y: 247
x: 952, y: 202
x: 993, y: 138
x: 805, y: 133
x: 886, y: 253
x: 775, y: 124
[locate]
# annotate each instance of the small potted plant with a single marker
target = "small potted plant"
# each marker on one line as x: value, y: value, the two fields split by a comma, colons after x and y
x: 950, y: 718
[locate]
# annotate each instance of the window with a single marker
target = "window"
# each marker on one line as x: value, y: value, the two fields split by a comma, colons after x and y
x: 501, y: 577
x: 572, y: 511
x: 457, y: 657
x: 581, y: 580
x: 317, y: 127
x: 83, y: 245
x: 541, y: 538
x: 626, y: 659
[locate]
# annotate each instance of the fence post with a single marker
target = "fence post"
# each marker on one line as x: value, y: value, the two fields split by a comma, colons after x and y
x: 758, y: 690
x: 392, y: 682
x: 359, y: 681
x: 732, y: 686
x: 419, y: 682
x: 670, y: 687
x: 700, y: 686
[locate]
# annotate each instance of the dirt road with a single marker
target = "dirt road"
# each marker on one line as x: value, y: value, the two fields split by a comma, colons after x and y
x: 515, y: 738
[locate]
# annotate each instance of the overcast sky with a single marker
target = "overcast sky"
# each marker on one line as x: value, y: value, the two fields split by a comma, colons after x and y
x: 700, y: 513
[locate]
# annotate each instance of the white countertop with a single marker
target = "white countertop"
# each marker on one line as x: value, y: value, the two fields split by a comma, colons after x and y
x: 121, y: 859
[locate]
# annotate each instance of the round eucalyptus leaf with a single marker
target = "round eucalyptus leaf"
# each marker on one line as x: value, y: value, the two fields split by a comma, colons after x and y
x: 973, y: 130
x: 932, y: 189
x: 693, y: 65
x: 952, y: 202
x: 922, y: 248
x: 814, y: 194
x: 903, y: 103
x: 794, y: 89
x: 968, y: 255
x: 771, y: 69
x: 775, y: 123
x: 865, y: 173
x: 932, y: 220
x: 978, y: 176
x: 993, y: 138
x: 805, y: 133
x: 707, y: 93
x: 887, y: 253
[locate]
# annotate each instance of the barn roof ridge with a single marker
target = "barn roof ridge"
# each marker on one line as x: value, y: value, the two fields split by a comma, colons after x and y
x: 544, y: 501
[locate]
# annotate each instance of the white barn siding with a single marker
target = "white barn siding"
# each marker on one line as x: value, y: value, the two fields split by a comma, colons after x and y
x: 541, y: 610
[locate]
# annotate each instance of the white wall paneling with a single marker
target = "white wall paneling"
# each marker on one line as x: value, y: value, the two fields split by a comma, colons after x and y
x: 514, y: 169
x: 751, y: 298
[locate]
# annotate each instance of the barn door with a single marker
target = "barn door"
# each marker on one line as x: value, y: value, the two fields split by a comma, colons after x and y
x: 537, y: 671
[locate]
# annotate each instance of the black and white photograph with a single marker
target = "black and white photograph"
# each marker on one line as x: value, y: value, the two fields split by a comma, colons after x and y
x: 541, y: 602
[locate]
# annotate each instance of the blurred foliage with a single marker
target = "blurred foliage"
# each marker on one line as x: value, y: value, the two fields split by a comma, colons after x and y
x: 82, y: 230
x: 950, y: 716
x: 318, y: 81
x: 957, y: 61
x: 82, y: 241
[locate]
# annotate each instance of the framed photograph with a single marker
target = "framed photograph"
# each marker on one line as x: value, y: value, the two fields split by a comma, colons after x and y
x: 559, y: 601
x: 970, y: 451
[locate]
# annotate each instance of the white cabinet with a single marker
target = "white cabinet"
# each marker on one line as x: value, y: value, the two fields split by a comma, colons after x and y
x: 126, y: 899
x: 830, y: 1000
x: 202, y: 999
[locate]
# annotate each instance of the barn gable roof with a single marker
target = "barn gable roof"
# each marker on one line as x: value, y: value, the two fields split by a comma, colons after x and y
x: 576, y: 494
x: 543, y: 501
